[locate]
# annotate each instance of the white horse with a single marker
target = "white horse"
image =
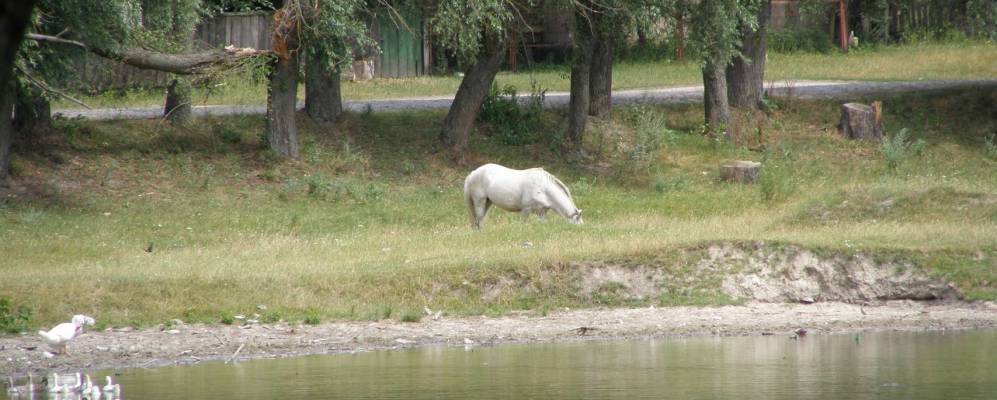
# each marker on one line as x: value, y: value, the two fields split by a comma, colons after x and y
x: 524, y: 191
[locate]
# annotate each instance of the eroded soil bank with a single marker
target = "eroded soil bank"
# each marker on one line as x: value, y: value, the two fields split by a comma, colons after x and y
x: 784, y: 288
x: 187, y: 344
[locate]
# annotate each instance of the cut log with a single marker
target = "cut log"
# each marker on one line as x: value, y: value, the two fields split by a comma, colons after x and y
x: 741, y: 171
x: 859, y: 121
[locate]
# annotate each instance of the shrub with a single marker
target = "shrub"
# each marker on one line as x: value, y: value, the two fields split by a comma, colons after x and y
x: 775, y: 183
x: 896, y: 149
x: 13, y: 320
x: 990, y: 147
x: 514, y: 121
x: 664, y: 184
x: 228, y: 134
x: 312, y: 319
x: 650, y: 131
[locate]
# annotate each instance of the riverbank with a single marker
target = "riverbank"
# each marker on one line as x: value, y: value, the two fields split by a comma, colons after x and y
x: 196, y: 343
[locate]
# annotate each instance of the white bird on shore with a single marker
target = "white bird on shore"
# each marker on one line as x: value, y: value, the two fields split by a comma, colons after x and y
x: 112, y: 387
x: 59, y: 336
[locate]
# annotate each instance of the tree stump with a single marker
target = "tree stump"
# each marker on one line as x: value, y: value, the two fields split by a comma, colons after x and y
x: 859, y: 121
x: 741, y: 171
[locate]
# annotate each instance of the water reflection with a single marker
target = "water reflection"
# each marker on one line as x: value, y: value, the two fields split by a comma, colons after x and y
x: 872, y: 366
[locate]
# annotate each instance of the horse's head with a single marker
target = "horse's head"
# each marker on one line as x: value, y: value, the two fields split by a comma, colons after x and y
x: 576, y: 218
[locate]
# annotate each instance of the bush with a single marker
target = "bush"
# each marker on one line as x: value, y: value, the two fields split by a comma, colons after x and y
x: 799, y: 41
x: 775, y: 183
x: 664, y: 184
x: 896, y: 149
x: 228, y: 134
x: 650, y: 131
x: 13, y: 320
x: 990, y: 147
x: 514, y: 122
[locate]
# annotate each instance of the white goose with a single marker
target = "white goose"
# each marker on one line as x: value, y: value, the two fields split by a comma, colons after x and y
x: 54, y: 386
x: 112, y: 387
x: 27, y: 389
x: 12, y: 390
x: 59, y: 336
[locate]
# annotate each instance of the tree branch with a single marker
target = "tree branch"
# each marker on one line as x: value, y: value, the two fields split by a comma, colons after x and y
x: 45, y: 87
x: 184, y: 64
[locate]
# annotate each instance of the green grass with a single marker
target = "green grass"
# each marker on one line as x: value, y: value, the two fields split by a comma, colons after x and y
x: 970, y: 60
x: 364, y: 227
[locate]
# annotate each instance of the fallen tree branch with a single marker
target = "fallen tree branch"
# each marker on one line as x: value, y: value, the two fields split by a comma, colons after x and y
x: 46, y: 88
x: 183, y: 64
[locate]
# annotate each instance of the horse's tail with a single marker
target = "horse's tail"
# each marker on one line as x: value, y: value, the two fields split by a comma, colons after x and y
x: 468, y: 199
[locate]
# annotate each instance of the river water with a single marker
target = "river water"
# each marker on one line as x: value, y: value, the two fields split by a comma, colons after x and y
x: 937, y: 365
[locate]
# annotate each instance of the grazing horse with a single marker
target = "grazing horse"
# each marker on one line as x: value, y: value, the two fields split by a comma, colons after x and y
x: 524, y: 191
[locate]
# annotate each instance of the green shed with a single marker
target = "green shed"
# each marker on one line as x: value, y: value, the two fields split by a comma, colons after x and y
x: 404, y: 47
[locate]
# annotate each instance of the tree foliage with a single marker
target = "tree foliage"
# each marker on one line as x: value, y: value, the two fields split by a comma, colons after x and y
x: 463, y: 25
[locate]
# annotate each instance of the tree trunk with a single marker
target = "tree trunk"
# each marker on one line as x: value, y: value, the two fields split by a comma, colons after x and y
x: 178, y: 109
x: 6, y: 133
x: 14, y: 18
x: 323, y: 100
x: 578, y: 105
x: 746, y: 73
x: 715, y: 103
x: 282, y: 96
x: 470, y: 96
x: 32, y: 113
x: 601, y: 74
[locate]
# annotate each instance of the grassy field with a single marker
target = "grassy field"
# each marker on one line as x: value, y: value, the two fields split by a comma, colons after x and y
x: 137, y: 223
x: 907, y: 62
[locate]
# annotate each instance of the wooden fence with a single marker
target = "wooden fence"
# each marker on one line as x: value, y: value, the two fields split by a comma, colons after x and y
x: 404, y: 50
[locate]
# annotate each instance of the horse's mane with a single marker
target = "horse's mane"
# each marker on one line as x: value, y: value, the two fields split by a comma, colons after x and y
x: 553, y: 179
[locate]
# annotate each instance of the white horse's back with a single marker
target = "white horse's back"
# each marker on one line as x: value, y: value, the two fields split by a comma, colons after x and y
x: 525, y: 191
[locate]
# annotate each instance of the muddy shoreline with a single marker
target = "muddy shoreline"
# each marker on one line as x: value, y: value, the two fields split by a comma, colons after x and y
x: 195, y: 343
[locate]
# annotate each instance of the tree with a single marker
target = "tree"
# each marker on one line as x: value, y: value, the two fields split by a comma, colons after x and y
x: 477, y: 31
x: 323, y: 98
x: 168, y: 26
x: 746, y: 73
x: 581, y: 68
x: 282, y: 90
x: 716, y: 32
x: 15, y: 15
x: 607, y: 22
x: 330, y: 37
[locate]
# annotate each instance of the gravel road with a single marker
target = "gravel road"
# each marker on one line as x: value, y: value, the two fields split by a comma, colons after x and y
x: 837, y: 90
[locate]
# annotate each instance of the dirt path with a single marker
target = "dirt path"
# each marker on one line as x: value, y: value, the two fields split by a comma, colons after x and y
x: 674, y: 95
x: 188, y: 344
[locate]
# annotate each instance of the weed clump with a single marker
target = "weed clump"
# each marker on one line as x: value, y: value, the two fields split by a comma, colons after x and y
x: 515, y: 122
x: 13, y: 319
x: 896, y: 149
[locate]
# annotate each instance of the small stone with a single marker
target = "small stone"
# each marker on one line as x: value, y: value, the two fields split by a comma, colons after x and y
x: 173, y: 331
x: 807, y: 300
x: 404, y: 341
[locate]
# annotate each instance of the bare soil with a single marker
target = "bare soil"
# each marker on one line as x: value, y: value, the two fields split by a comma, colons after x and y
x: 194, y: 343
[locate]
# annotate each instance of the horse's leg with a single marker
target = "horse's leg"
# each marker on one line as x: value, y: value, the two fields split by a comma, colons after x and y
x: 526, y: 214
x: 542, y: 213
x: 480, y: 211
